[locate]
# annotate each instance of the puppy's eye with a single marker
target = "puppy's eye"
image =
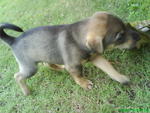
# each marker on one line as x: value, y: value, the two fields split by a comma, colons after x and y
x: 119, y: 36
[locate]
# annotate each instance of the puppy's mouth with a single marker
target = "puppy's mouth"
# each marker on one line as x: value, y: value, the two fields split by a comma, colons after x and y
x: 135, y: 39
x: 134, y: 46
x: 132, y: 39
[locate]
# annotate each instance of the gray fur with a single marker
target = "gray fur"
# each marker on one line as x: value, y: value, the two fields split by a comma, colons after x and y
x: 50, y: 44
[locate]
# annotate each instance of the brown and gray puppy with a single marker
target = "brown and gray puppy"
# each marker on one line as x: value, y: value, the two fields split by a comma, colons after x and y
x: 70, y: 45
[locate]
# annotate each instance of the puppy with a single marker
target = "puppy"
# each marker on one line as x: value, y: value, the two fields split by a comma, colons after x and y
x: 70, y: 45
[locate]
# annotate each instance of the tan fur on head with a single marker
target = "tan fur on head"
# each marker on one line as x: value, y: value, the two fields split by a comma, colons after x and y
x: 98, y: 24
x: 97, y: 29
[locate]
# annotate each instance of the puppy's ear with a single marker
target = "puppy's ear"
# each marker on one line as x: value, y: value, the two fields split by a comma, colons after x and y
x: 95, y: 43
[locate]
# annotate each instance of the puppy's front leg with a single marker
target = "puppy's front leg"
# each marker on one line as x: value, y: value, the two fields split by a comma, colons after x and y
x: 76, y: 73
x: 103, y: 64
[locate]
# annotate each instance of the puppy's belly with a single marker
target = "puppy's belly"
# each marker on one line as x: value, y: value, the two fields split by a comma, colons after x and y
x: 54, y: 60
x: 49, y: 57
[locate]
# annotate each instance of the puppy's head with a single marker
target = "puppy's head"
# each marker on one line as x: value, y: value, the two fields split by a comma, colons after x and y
x: 108, y: 31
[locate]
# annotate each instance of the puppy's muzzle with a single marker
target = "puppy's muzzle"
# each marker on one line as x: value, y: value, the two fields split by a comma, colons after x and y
x: 135, y: 39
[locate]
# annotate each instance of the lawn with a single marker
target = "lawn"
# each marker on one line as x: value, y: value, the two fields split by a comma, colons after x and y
x: 56, y: 92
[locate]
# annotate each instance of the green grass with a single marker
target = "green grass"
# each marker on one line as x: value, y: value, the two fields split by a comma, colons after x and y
x: 56, y: 92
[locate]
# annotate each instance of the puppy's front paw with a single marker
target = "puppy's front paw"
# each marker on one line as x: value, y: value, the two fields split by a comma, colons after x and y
x: 85, y: 83
x: 123, y: 79
x: 89, y: 85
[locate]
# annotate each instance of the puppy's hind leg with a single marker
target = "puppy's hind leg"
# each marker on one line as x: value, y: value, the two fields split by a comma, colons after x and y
x: 55, y: 67
x: 21, y: 80
x: 26, y: 71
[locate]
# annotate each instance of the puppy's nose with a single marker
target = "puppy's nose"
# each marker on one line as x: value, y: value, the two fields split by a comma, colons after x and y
x: 136, y: 37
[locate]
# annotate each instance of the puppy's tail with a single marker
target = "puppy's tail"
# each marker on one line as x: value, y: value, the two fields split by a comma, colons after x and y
x: 6, y: 38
